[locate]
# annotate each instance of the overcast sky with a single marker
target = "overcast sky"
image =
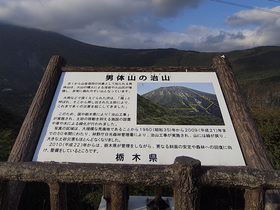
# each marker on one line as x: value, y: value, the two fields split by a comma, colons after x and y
x: 202, y: 25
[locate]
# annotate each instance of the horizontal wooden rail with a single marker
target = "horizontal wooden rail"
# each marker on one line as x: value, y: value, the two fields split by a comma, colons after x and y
x: 185, y: 176
x: 86, y: 173
x: 240, y: 177
x: 164, y: 175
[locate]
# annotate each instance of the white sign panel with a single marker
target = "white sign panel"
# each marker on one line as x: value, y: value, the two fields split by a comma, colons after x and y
x: 139, y: 118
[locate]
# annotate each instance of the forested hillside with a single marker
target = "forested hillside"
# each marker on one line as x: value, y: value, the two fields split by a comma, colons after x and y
x: 24, y: 55
x: 9, y: 127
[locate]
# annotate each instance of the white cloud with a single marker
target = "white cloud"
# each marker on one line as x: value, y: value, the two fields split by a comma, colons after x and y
x: 254, y: 17
x: 135, y: 23
x: 266, y: 30
x: 172, y: 7
x: 114, y: 23
x: 66, y: 14
x: 250, y: 28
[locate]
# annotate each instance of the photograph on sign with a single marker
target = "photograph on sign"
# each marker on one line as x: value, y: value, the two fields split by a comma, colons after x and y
x: 177, y: 104
x: 139, y: 118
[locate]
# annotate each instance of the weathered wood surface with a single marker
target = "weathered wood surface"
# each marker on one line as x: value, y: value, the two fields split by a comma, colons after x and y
x: 247, y: 133
x: 240, y: 177
x: 116, y: 196
x: 119, y: 197
x: 149, y: 175
x: 58, y: 197
x: 186, y: 186
x: 255, y: 199
x: 27, y: 139
x: 250, y: 141
x: 186, y: 176
x: 87, y: 173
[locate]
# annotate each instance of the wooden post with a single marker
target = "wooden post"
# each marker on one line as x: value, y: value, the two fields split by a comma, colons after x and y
x: 58, y: 198
x: 247, y: 133
x: 107, y: 195
x: 119, y: 197
x: 116, y: 196
x: 254, y: 199
x: 186, y: 189
x: 29, y: 134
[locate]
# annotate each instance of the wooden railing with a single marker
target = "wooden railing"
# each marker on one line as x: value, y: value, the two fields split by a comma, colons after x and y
x: 186, y: 176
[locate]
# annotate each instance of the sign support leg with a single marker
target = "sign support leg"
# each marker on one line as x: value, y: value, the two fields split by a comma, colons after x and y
x: 58, y: 197
x: 116, y: 196
x: 254, y: 199
x: 186, y: 190
x: 27, y: 139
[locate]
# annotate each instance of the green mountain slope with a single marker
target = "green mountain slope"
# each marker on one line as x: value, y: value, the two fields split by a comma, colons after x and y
x: 258, y: 73
x: 24, y: 54
x: 151, y: 113
x: 183, y: 98
x: 9, y: 128
x: 191, y: 107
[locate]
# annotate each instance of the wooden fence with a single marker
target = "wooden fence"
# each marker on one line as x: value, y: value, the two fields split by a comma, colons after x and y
x: 186, y: 176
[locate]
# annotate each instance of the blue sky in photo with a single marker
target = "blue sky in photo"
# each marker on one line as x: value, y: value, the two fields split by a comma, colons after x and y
x: 146, y: 87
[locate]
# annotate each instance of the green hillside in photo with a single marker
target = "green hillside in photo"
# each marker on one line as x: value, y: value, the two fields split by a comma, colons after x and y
x: 176, y: 105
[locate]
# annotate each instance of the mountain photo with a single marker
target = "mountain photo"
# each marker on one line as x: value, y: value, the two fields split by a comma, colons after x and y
x: 178, y: 105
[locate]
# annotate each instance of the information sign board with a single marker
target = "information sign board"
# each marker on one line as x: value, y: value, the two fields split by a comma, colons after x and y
x: 139, y: 118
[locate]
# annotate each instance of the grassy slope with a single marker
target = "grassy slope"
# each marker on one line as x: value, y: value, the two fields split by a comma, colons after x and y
x: 258, y: 73
x: 24, y: 53
x: 9, y: 127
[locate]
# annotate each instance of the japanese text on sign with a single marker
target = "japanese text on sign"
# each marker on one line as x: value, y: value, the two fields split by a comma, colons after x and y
x: 138, y: 118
